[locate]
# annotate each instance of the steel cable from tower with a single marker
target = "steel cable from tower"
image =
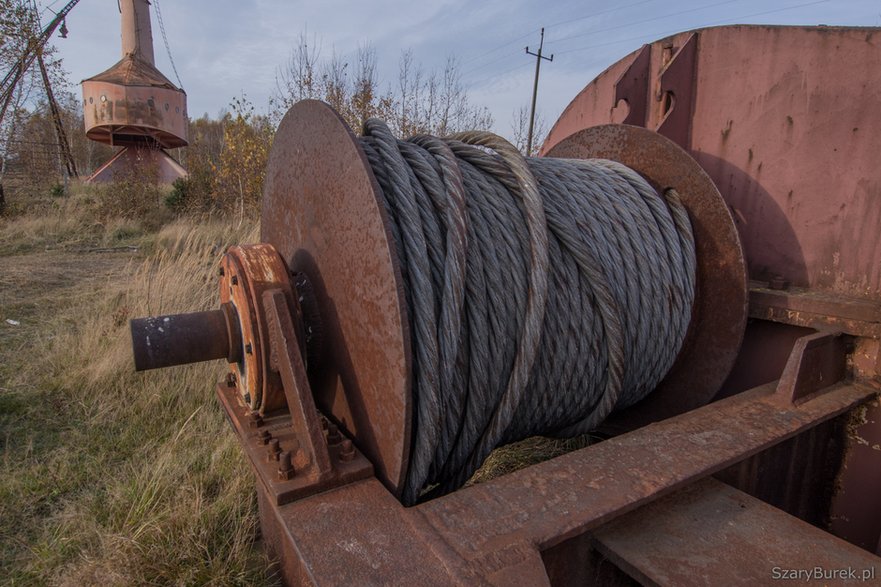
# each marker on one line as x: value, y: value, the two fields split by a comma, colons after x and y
x: 542, y: 293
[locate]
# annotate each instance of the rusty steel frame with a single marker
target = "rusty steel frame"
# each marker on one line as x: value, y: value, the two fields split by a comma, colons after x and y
x: 494, y: 533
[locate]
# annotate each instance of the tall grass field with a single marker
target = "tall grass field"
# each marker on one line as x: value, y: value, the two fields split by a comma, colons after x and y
x: 107, y: 476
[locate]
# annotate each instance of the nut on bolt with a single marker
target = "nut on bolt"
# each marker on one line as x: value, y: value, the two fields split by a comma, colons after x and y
x: 333, y: 434
x: 778, y: 282
x: 273, y: 450
x: 264, y: 437
x: 255, y: 420
x: 285, y: 467
x: 347, y: 450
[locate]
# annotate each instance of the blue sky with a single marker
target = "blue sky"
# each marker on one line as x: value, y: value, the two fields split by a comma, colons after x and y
x: 223, y: 48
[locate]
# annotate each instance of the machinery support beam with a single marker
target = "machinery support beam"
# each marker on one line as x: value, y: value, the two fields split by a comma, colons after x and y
x: 494, y: 533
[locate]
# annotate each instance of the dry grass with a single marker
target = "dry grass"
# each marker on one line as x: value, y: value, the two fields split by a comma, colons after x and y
x: 107, y: 476
x: 518, y: 455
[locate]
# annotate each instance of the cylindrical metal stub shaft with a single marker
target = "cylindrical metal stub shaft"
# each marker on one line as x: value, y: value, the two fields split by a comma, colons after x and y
x: 178, y: 339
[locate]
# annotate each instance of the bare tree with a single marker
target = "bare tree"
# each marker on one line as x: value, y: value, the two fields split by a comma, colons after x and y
x: 520, y: 131
x: 298, y: 78
x: 419, y: 101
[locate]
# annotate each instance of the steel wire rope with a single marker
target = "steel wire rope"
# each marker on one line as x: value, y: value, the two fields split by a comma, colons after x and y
x: 542, y: 293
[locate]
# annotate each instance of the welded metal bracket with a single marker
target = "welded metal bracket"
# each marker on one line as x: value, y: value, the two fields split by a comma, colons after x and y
x: 295, y: 452
x: 817, y: 361
x: 285, y: 358
x: 676, y: 92
x: 633, y: 88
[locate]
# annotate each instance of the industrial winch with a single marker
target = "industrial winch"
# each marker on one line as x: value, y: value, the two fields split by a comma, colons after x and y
x: 414, y: 304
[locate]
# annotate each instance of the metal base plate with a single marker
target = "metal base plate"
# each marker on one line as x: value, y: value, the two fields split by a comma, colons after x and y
x: 720, y: 311
x: 322, y: 212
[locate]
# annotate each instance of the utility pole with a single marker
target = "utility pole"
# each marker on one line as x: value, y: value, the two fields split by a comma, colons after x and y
x: 538, y: 58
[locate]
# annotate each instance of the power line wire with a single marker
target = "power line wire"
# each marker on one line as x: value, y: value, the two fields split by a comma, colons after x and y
x: 533, y: 31
x: 655, y: 35
x: 658, y: 35
x: 630, y: 24
x: 595, y: 14
x: 167, y: 47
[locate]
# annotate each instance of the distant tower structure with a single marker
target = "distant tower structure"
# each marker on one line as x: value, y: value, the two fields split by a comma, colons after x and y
x: 134, y: 106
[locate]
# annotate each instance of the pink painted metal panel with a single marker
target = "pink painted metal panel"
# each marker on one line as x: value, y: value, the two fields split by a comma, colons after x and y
x: 785, y: 120
x: 594, y: 105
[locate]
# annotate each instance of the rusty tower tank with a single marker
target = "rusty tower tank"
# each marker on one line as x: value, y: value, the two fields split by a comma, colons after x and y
x: 133, y: 105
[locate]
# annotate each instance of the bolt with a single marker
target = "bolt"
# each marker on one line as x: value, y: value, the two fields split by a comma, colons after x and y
x: 323, y: 421
x: 255, y: 420
x: 778, y: 282
x: 220, y: 271
x: 249, y: 349
x: 235, y: 280
x: 264, y: 437
x: 274, y: 450
x: 347, y: 450
x: 285, y: 467
x: 230, y: 379
x: 333, y: 434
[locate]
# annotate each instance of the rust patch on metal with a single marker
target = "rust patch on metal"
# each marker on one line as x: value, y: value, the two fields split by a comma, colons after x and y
x: 818, y: 309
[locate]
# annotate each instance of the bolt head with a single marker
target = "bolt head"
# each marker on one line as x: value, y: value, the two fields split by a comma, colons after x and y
x: 778, y: 282
x: 347, y: 450
x: 255, y: 420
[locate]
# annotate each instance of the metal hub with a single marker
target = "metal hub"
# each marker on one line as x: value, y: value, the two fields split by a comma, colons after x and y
x: 246, y: 273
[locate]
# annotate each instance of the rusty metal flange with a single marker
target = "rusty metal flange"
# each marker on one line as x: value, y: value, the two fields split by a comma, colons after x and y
x: 322, y: 212
x: 246, y: 272
x: 720, y: 311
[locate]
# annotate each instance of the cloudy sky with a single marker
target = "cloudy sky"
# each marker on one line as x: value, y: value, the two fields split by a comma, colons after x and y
x: 223, y: 48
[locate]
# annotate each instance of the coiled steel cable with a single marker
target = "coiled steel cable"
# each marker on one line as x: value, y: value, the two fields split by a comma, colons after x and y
x: 542, y: 293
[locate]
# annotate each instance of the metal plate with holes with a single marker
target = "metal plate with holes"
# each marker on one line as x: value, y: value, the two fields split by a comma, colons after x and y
x: 248, y: 271
x: 720, y: 312
x: 322, y: 212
